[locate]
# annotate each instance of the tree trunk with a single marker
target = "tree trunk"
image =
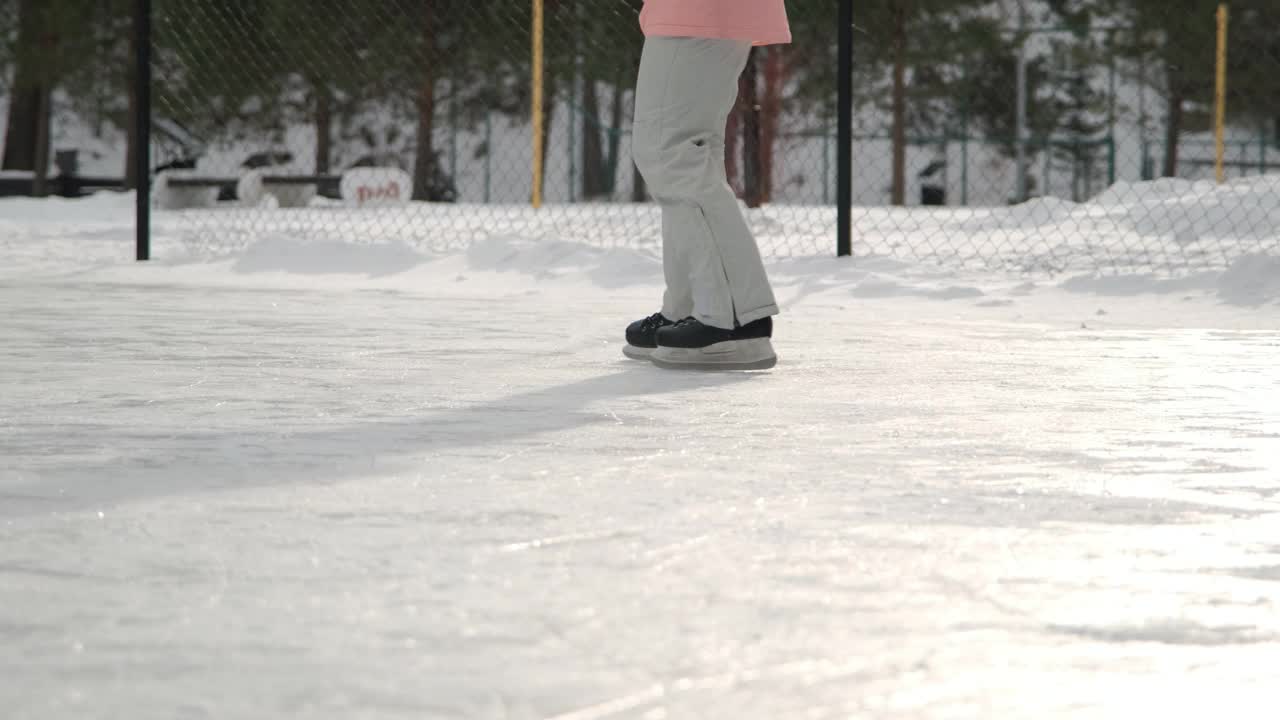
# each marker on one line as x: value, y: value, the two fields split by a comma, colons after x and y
x: 899, y: 190
x: 131, y: 125
x: 615, y: 140
x: 324, y: 125
x: 1173, y: 130
x: 548, y: 114
x: 774, y: 75
x: 24, y: 101
x: 20, y: 137
x: 593, y: 185
x: 40, y: 184
x: 753, y: 190
x: 424, y: 162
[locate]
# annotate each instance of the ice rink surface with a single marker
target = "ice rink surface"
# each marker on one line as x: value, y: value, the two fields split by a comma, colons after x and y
x: 421, y: 488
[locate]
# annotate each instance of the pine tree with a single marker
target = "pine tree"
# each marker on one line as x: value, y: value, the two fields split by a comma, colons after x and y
x: 1177, y: 41
x: 925, y: 47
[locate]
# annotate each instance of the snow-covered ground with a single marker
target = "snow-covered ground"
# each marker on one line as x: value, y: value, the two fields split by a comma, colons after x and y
x: 1166, y: 229
x: 286, y: 473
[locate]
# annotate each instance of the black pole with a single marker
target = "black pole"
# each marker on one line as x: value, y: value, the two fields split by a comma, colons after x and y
x: 844, y: 133
x: 142, y: 119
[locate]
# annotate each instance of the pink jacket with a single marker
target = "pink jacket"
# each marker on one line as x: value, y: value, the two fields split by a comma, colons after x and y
x: 762, y: 22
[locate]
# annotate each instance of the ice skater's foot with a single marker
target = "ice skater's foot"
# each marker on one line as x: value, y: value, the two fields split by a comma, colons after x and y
x: 693, y: 346
x: 642, y: 336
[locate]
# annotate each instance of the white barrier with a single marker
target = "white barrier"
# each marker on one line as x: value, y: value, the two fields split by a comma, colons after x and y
x: 253, y: 190
x: 376, y: 187
x: 168, y: 197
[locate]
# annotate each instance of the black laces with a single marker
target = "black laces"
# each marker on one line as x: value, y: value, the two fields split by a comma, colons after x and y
x: 653, y: 322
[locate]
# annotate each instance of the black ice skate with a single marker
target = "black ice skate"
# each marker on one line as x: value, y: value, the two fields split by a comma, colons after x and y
x: 642, y: 336
x: 691, y: 345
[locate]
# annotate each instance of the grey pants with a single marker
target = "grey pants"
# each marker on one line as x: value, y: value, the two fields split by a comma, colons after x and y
x: 686, y: 90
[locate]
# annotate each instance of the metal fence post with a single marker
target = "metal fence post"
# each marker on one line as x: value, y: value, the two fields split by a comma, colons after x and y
x: 1220, y: 95
x: 844, y: 141
x: 142, y: 154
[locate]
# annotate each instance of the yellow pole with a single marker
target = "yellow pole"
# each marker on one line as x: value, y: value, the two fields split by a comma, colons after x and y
x: 1220, y: 96
x: 538, y: 117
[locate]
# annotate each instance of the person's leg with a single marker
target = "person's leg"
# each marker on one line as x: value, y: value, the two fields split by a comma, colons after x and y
x: 691, y: 86
x: 677, y: 300
x: 651, y: 94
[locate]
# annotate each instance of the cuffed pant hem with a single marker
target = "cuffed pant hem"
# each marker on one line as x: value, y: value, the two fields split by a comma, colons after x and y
x: 758, y: 313
x: 728, y: 323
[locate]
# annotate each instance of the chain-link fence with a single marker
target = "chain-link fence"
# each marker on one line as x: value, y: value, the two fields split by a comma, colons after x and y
x: 988, y: 133
x: 1069, y: 135
x: 412, y: 121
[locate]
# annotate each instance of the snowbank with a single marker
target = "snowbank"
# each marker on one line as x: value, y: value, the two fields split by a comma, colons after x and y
x: 1162, y: 237
x: 324, y: 257
x: 1251, y: 280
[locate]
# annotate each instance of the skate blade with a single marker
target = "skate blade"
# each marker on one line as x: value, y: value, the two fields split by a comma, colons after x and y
x: 755, y: 354
x: 637, y: 353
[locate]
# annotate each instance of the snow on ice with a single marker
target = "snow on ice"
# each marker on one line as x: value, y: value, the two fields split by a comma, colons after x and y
x: 290, y: 473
